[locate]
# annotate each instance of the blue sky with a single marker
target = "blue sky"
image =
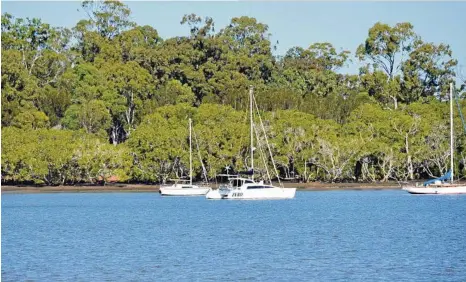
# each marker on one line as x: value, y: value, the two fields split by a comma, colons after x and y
x: 344, y: 24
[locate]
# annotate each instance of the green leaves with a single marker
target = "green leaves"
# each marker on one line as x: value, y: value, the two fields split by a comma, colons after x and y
x: 60, y: 157
x: 384, y: 43
x: 109, y: 80
x: 414, y: 69
x: 92, y: 116
x: 109, y: 18
x: 428, y: 71
x: 31, y: 119
x: 174, y: 93
x: 319, y: 56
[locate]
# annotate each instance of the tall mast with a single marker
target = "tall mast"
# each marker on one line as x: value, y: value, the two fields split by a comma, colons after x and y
x: 252, y: 142
x: 190, y: 156
x: 451, y: 131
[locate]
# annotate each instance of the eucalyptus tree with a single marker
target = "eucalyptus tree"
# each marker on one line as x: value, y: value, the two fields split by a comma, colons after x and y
x: 386, y: 48
x: 223, y: 137
x: 427, y: 72
x: 96, y: 161
x: 293, y: 140
x: 96, y: 36
x: 380, y: 153
x: 129, y: 85
x: 159, y: 142
x: 404, y: 68
x: 248, y: 48
x: 319, y: 56
x: 337, y: 153
x: 312, y: 74
x: 56, y: 157
x: 109, y: 80
x: 34, y: 56
x: 92, y: 116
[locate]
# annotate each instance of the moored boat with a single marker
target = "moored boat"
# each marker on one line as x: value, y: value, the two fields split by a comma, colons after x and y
x: 440, y: 185
x: 178, y: 189
x: 246, y: 188
x: 441, y: 188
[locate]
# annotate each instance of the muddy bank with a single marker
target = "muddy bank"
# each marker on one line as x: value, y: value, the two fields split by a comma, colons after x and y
x: 322, y: 186
x: 312, y: 186
x: 81, y: 188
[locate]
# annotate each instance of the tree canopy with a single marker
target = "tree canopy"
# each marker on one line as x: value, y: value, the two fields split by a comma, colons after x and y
x: 109, y: 97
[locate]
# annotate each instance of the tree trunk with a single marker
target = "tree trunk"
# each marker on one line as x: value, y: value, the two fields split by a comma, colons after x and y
x: 115, y: 134
x: 410, y: 163
x: 395, y: 102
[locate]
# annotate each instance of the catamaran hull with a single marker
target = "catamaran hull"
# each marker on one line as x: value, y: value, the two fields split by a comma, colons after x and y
x: 253, y: 194
x: 213, y: 194
x: 436, y: 190
x: 183, y: 191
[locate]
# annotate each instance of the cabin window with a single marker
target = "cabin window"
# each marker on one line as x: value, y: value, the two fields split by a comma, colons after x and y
x: 259, y: 187
x: 185, y: 186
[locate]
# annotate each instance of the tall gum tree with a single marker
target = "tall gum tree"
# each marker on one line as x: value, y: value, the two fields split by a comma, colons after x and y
x: 385, y: 47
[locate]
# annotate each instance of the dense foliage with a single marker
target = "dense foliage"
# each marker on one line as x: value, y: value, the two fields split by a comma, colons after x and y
x: 112, y: 98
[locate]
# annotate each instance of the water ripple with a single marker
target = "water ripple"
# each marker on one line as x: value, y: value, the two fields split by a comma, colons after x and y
x: 318, y: 236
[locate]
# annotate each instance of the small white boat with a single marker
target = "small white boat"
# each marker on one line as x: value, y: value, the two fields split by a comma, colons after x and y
x: 436, y: 186
x: 247, y: 189
x: 185, y: 189
x: 440, y: 185
x: 440, y: 188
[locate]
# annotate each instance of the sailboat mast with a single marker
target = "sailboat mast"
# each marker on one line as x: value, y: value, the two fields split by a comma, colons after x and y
x: 252, y: 142
x: 451, y: 131
x: 190, y: 155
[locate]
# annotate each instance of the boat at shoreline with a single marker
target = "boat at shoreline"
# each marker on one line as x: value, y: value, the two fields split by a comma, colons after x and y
x: 188, y: 189
x: 246, y: 188
x: 180, y: 189
x: 441, y: 185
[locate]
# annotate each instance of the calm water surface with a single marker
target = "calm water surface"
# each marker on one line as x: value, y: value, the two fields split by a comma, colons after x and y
x: 318, y: 236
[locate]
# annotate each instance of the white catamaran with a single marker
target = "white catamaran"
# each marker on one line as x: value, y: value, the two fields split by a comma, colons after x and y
x: 178, y: 189
x: 244, y: 188
x: 439, y: 185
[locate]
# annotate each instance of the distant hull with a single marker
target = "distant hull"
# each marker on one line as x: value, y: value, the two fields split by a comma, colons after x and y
x: 253, y: 194
x: 180, y: 191
x: 437, y: 189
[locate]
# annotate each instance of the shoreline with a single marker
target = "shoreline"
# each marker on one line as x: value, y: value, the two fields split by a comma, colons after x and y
x: 141, y: 188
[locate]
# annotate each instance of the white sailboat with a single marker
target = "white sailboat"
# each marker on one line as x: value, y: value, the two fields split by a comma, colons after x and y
x: 178, y: 189
x: 440, y: 185
x: 243, y: 188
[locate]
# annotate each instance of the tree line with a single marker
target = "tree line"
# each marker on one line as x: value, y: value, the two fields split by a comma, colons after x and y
x: 111, y: 98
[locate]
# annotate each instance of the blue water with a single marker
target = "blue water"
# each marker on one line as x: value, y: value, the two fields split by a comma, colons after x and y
x: 318, y: 236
